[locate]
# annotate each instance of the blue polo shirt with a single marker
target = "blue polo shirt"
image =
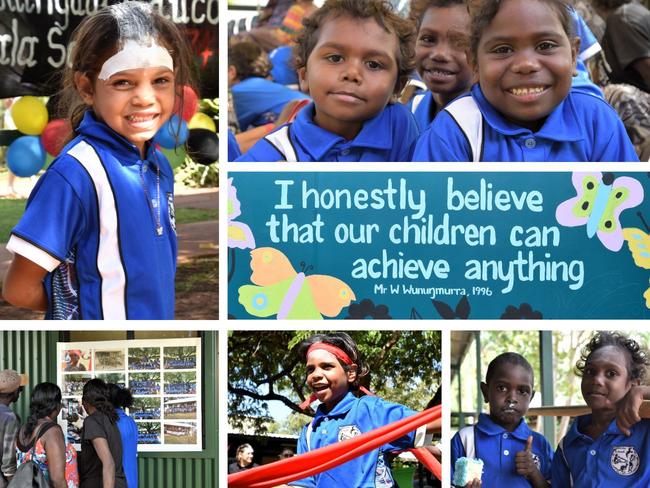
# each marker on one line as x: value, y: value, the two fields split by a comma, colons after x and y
x: 497, y: 448
x: 583, y: 127
x: 423, y: 107
x: 92, y: 223
x: 389, y: 136
x: 259, y: 101
x: 589, y: 47
x: 611, y: 460
x: 129, y: 434
x: 233, y: 147
x: 352, y: 417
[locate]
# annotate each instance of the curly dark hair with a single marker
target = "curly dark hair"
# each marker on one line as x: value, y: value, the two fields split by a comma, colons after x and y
x: 636, y: 355
x: 249, y: 59
x: 482, y: 12
x: 120, y: 397
x: 96, y: 393
x: 45, y: 399
x: 511, y: 358
x: 344, y: 342
x: 609, y: 4
x: 418, y: 8
x: 380, y: 10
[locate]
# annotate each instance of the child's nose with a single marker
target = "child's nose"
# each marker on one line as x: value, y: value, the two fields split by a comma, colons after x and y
x: 144, y: 94
x: 525, y: 62
x: 441, y: 52
x: 351, y: 72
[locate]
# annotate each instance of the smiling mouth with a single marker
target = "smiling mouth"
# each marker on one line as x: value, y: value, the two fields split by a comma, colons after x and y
x: 139, y: 119
x: 319, y: 388
x: 527, y: 91
x: 440, y: 73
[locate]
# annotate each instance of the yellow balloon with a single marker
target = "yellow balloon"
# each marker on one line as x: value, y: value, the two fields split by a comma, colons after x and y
x: 202, y: 121
x: 29, y: 115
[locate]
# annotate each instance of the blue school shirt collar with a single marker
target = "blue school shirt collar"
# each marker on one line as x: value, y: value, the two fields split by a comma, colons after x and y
x: 317, y: 142
x: 561, y: 125
x: 490, y: 427
x: 340, y: 409
x: 125, y: 151
x: 575, y: 434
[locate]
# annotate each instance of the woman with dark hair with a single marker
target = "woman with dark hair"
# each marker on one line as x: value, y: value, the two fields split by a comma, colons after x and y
x: 42, y: 441
x: 121, y: 398
x: 100, y: 461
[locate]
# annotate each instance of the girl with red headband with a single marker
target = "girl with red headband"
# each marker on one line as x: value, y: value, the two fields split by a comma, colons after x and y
x: 334, y: 370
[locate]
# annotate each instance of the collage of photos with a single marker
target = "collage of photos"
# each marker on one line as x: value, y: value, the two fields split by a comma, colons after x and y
x: 150, y: 186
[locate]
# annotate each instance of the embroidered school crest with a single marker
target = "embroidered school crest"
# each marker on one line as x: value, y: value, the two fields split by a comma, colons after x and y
x: 348, y: 432
x: 625, y: 460
x: 171, y: 210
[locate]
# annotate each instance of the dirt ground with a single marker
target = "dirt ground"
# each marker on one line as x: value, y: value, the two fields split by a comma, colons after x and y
x: 197, y: 293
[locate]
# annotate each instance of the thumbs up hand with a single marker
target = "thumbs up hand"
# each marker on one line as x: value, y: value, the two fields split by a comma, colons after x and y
x: 524, y: 460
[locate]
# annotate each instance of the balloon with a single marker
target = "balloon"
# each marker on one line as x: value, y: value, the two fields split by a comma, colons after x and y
x: 173, y: 133
x: 203, y: 146
x: 54, y: 135
x: 190, y: 104
x: 202, y: 121
x: 26, y: 156
x: 29, y: 115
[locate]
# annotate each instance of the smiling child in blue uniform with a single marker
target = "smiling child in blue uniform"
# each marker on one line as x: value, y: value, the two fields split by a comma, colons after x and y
x: 523, y: 108
x: 513, y: 455
x: 352, y: 57
x: 334, y: 369
x: 440, y: 57
x: 609, y: 447
x: 98, y: 239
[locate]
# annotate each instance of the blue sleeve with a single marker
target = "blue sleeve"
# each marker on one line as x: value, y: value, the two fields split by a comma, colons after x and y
x: 442, y: 141
x: 616, y: 147
x: 383, y: 413
x: 457, y: 451
x: 262, y: 151
x: 302, y: 448
x: 54, y: 217
x: 560, y: 474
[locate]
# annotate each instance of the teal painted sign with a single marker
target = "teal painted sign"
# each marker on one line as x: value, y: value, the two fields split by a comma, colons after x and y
x: 438, y: 245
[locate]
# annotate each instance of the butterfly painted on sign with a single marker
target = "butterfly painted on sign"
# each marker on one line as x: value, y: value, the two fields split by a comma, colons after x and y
x: 639, y: 243
x: 239, y: 234
x: 288, y: 294
x: 598, y: 204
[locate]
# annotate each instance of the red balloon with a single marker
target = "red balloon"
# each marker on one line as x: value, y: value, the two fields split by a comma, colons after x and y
x: 190, y: 104
x: 55, y: 134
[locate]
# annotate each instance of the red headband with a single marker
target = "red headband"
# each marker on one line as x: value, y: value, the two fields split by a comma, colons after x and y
x: 339, y: 353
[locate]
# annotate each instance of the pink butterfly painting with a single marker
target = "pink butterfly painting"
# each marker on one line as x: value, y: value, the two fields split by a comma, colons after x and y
x: 599, y: 202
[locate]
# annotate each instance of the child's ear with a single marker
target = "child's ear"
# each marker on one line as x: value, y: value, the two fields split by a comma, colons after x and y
x: 232, y: 74
x: 302, y: 79
x: 484, y: 390
x: 84, y: 87
x: 532, y: 395
x: 575, y: 49
x: 352, y: 373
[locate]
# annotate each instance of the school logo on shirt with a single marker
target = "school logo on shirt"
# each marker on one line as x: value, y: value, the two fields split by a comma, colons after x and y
x: 348, y: 432
x: 536, y: 460
x: 625, y: 460
x: 172, y: 211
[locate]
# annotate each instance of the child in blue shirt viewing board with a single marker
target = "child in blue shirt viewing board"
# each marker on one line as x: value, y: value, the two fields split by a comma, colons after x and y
x: 98, y: 238
x: 352, y: 57
x: 440, y: 57
x: 513, y: 455
x: 523, y: 108
x: 610, y: 446
x: 334, y: 370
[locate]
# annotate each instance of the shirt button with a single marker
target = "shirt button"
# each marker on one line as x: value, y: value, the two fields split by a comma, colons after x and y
x: 345, y: 152
x: 506, y: 452
x: 592, y: 452
x: 505, y: 436
x: 530, y: 143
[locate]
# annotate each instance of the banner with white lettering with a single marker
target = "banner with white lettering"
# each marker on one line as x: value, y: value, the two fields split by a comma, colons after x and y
x: 438, y: 245
x: 34, y: 38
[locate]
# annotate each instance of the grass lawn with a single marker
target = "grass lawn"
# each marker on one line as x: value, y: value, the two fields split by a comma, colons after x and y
x: 11, y: 211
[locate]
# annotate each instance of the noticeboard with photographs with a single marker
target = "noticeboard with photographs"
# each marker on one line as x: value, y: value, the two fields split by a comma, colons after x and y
x: 164, y: 377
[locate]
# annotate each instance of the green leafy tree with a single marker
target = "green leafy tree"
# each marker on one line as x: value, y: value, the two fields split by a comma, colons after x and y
x: 264, y: 366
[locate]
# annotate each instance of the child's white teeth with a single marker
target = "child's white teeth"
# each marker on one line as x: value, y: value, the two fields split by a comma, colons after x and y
x: 527, y: 91
x: 133, y: 118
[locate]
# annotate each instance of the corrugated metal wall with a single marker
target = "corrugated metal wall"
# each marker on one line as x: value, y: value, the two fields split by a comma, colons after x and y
x: 35, y: 352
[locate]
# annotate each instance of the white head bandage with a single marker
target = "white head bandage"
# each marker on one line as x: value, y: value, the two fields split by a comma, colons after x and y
x: 134, y: 55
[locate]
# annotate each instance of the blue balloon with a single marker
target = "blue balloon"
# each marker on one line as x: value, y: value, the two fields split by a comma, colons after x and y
x: 173, y: 133
x: 26, y: 156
